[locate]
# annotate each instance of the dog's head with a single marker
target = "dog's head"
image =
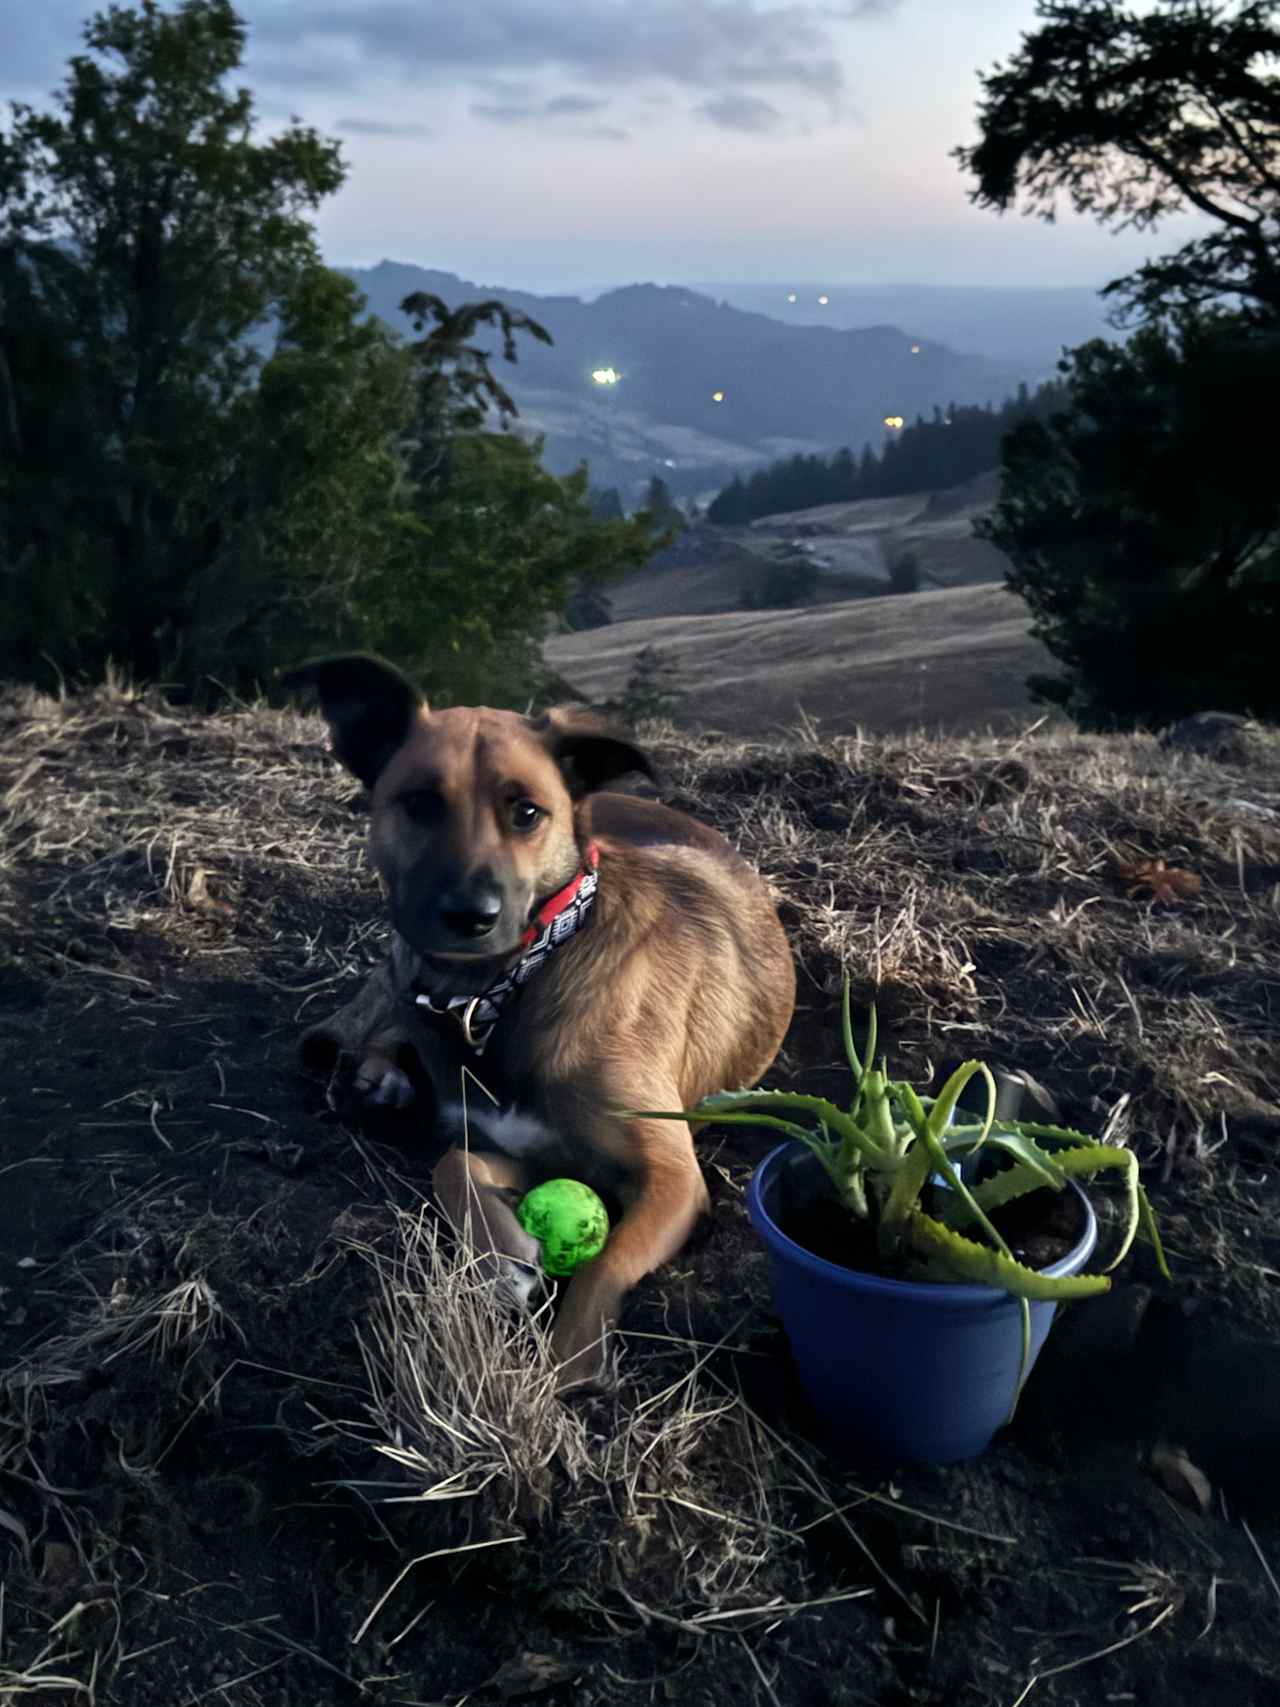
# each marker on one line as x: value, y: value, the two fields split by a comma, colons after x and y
x: 475, y: 819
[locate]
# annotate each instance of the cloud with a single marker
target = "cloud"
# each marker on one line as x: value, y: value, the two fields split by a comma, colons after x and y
x: 741, y: 112
x: 708, y: 45
x: 825, y: 77
x: 574, y: 104
x: 607, y: 133
x: 382, y: 127
x: 521, y: 110
x: 795, y: 50
x: 504, y: 112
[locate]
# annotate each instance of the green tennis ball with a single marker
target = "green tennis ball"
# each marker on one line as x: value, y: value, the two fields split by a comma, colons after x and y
x: 568, y: 1220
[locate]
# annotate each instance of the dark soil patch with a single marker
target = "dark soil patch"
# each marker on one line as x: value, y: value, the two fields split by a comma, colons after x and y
x: 1040, y: 1228
x: 190, y: 1227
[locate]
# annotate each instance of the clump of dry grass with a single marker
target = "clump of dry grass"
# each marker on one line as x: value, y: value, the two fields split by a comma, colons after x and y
x: 462, y: 1391
x: 664, y: 1500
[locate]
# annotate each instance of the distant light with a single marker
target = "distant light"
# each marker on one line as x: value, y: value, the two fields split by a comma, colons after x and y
x: 915, y: 349
x: 791, y: 296
x: 606, y: 376
x: 824, y: 300
x: 717, y: 396
x: 894, y: 421
x: 668, y: 462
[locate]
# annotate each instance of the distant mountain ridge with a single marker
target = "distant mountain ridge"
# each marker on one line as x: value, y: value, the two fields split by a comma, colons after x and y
x: 1024, y: 326
x: 705, y: 389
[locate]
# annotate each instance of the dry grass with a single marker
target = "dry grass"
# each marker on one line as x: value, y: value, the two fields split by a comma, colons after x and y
x: 666, y: 1501
x: 159, y: 873
x: 972, y: 887
x: 120, y: 823
x: 462, y: 1390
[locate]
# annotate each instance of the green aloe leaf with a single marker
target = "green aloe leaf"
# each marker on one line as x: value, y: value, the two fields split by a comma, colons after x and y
x: 944, y: 1103
x: 1034, y: 1169
x: 846, y: 1033
x: 1150, y: 1231
x: 723, y: 1103
x: 803, y: 1134
x: 965, y: 1259
x: 903, y: 1198
x: 1083, y: 1162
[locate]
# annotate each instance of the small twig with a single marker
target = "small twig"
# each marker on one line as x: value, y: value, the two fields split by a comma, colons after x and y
x: 439, y: 1553
x: 1098, y: 1654
x: 759, y: 1670
x: 1262, y: 1558
x: 155, y: 1126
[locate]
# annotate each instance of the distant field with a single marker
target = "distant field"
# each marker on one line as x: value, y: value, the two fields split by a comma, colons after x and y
x: 849, y: 545
x: 954, y: 661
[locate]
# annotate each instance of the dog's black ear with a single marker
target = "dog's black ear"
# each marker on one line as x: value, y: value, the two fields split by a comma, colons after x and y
x: 368, y: 705
x: 589, y: 751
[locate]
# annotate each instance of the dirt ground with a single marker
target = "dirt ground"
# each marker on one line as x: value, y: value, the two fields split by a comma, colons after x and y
x: 234, y: 1464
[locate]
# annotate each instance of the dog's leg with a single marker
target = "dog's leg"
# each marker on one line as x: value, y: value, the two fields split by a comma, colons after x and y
x: 378, y: 1081
x: 376, y: 1028
x: 663, y: 1206
x: 478, y: 1195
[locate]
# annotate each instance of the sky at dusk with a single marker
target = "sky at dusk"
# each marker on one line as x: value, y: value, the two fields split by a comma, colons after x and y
x: 572, y: 144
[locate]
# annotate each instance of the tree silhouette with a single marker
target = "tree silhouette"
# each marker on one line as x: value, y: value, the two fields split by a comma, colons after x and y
x: 1144, y: 535
x: 1135, y: 115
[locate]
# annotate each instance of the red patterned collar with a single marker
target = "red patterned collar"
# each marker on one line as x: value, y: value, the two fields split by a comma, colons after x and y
x: 556, y: 920
x: 562, y: 899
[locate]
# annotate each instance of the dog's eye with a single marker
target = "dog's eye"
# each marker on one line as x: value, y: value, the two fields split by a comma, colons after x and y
x: 420, y: 805
x: 525, y: 814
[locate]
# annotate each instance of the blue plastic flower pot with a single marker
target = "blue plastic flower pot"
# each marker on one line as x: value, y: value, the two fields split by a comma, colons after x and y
x: 898, y: 1371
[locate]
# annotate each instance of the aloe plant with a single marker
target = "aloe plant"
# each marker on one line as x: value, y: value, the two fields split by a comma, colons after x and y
x: 881, y: 1152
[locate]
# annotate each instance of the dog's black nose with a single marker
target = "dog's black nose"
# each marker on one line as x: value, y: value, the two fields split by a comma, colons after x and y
x: 471, y: 914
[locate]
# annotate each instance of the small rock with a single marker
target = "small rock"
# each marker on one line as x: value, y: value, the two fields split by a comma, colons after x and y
x: 1184, y: 1480
x: 1221, y: 735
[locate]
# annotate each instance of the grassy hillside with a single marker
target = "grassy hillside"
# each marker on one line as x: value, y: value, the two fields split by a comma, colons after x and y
x: 264, y: 1441
x: 935, y: 527
x: 848, y: 546
x: 955, y: 660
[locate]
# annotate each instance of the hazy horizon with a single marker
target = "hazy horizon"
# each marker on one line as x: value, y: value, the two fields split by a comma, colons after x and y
x: 575, y: 145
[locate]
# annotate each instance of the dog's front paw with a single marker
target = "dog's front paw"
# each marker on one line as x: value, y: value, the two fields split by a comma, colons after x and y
x: 379, y: 1083
x: 518, y: 1284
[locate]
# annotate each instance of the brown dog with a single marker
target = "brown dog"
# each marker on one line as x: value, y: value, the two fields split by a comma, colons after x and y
x: 656, y: 968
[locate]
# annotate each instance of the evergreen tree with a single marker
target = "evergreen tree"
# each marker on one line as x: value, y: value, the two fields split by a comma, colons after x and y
x: 663, y: 513
x: 729, y: 508
x: 212, y: 461
x: 925, y: 456
x: 1143, y: 519
x: 606, y: 506
x: 144, y: 236
x: 654, y: 688
x: 1144, y: 534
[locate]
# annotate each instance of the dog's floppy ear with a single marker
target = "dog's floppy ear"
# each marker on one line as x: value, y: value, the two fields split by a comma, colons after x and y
x: 368, y: 705
x: 590, y: 752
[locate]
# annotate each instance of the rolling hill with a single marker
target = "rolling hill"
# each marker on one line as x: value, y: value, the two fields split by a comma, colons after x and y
x: 1019, y: 326
x: 848, y: 547
x: 704, y: 389
x: 954, y: 660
